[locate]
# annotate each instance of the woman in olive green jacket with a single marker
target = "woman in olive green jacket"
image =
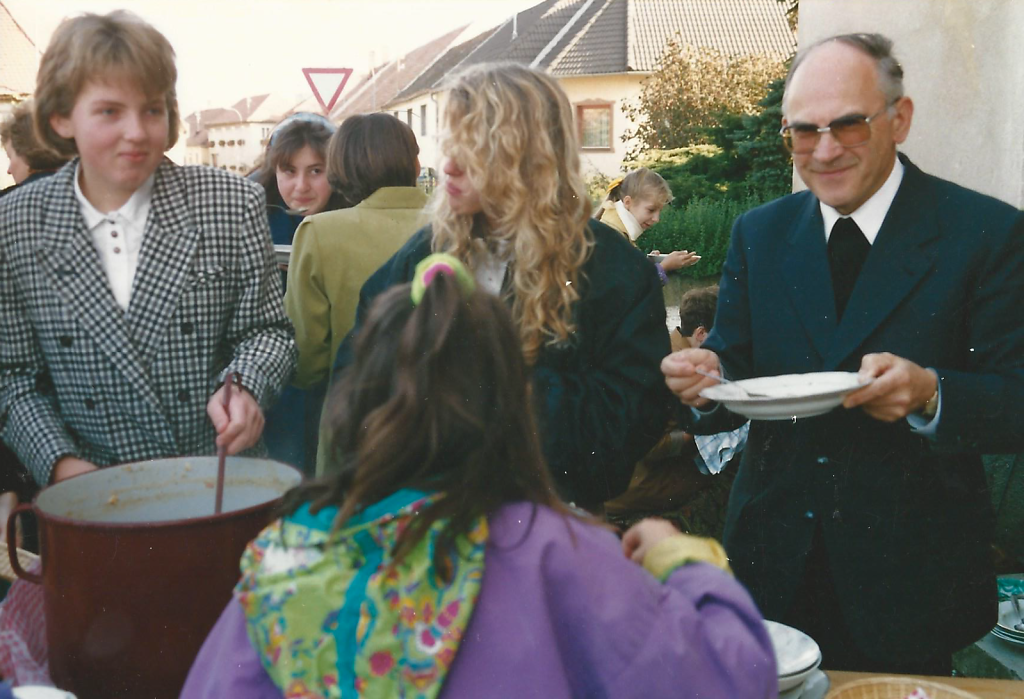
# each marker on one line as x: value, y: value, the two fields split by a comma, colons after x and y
x: 372, y: 161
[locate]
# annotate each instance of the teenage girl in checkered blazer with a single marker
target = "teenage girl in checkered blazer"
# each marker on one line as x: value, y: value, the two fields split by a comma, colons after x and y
x: 130, y: 286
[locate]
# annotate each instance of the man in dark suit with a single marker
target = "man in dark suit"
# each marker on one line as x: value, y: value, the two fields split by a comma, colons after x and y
x: 869, y: 527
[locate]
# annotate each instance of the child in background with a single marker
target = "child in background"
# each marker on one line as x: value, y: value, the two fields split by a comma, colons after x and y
x: 130, y: 286
x: 673, y: 479
x: 633, y: 205
x: 294, y: 174
x: 439, y: 561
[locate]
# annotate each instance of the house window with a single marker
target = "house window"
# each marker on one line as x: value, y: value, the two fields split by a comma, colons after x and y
x: 408, y: 117
x: 594, y: 122
x: 423, y: 120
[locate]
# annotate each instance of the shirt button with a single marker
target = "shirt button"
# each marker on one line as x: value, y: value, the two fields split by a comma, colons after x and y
x: 113, y: 234
x: 117, y: 250
x: 187, y: 328
x: 65, y: 341
x: 822, y: 460
x: 90, y: 404
x: 183, y: 396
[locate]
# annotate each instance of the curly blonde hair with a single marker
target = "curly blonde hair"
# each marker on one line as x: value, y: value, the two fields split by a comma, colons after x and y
x: 510, y: 128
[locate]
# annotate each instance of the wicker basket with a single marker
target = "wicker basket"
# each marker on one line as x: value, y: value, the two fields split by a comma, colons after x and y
x: 896, y: 688
x: 26, y: 558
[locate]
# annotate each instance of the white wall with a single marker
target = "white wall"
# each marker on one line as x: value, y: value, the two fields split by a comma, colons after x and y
x: 610, y: 88
x: 963, y: 62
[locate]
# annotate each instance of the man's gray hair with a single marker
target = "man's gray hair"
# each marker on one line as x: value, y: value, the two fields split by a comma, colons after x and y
x: 877, y: 47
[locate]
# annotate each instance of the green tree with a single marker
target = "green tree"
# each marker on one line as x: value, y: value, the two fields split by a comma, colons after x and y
x: 691, y: 92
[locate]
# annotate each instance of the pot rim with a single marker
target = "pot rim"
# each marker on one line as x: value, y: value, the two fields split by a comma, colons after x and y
x: 163, y: 524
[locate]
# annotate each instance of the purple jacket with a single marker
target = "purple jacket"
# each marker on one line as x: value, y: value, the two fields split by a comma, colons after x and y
x: 558, y: 618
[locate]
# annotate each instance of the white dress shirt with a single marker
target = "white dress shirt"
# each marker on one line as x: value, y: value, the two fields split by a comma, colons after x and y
x: 117, y: 236
x: 870, y: 215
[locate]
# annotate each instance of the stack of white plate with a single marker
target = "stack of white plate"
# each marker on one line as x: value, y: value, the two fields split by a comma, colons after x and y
x: 1009, y: 616
x: 796, y: 655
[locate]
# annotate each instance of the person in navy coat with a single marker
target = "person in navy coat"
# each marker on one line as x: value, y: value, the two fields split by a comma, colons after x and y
x: 869, y: 527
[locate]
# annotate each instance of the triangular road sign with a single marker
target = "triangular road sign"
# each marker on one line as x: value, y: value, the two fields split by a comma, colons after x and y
x: 345, y: 73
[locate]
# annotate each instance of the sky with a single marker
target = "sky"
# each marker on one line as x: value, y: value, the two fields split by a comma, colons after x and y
x: 229, y: 49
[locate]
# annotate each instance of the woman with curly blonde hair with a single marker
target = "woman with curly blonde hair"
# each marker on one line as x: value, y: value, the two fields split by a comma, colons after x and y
x: 588, y: 307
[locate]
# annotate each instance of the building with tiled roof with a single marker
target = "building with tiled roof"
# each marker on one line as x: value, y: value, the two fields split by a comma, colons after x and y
x: 234, y: 138
x: 601, y: 50
x: 383, y: 83
x: 19, y: 61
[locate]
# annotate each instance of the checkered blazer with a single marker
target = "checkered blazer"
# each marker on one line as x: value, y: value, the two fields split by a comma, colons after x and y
x: 79, y: 376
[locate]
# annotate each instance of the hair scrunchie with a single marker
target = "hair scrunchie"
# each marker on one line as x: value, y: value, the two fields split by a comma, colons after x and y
x: 613, y: 185
x: 440, y: 263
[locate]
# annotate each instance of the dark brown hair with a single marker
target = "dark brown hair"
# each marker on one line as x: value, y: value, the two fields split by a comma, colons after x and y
x: 697, y: 309
x: 101, y: 48
x: 19, y: 132
x: 371, y: 151
x: 287, y: 140
x: 436, y: 399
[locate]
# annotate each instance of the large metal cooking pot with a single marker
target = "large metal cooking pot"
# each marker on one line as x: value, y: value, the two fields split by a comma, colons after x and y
x: 136, y: 568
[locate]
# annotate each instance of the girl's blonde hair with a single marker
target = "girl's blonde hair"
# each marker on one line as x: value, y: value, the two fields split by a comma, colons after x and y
x: 642, y: 183
x: 101, y: 48
x: 510, y: 129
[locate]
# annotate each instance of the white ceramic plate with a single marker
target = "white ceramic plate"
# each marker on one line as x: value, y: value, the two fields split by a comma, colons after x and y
x: 787, y: 396
x: 1003, y: 636
x: 1008, y: 617
x: 34, y: 692
x: 796, y: 654
x: 814, y: 687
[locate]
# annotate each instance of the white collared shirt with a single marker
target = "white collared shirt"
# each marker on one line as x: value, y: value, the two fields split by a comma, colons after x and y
x: 869, y: 215
x: 633, y: 229
x: 117, y: 236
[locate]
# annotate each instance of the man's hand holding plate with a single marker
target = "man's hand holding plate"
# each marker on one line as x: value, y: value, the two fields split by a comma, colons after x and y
x: 900, y: 387
x: 683, y: 380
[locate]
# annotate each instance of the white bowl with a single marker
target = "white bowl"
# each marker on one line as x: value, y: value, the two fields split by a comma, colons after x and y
x: 796, y: 654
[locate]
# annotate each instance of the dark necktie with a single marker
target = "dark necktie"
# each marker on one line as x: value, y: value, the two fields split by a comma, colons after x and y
x: 847, y: 250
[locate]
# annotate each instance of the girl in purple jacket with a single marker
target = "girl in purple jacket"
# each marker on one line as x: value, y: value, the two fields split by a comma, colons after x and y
x: 440, y: 562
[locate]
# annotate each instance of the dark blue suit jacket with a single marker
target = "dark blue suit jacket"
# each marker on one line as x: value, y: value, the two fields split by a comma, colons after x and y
x: 906, y: 520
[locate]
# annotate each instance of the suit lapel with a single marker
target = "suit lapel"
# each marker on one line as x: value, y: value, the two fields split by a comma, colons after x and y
x: 167, y: 248
x: 806, y: 272
x: 900, y: 257
x: 69, y: 260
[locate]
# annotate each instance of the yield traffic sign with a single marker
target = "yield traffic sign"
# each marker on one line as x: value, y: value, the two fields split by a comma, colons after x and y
x: 345, y: 73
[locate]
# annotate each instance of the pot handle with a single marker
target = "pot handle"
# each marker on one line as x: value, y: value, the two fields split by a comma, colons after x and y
x: 12, y: 545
